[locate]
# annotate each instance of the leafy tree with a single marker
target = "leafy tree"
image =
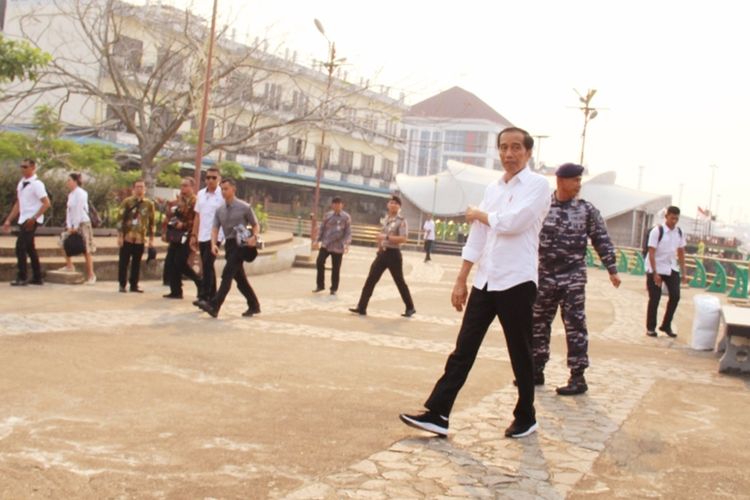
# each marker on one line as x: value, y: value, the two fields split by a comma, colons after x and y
x: 231, y: 170
x: 20, y: 61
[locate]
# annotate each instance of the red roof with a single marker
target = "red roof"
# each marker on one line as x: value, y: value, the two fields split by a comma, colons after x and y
x: 457, y: 103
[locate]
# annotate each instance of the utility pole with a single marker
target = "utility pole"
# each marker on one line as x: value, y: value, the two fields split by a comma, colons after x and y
x: 204, y: 110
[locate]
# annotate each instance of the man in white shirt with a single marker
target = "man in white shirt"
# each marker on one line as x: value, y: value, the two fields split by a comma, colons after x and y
x: 208, y: 201
x: 31, y: 203
x: 503, y: 242
x: 429, y: 236
x: 666, y: 245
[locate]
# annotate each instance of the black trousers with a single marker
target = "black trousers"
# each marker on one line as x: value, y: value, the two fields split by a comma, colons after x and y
x: 234, y: 270
x: 428, y: 249
x: 389, y: 258
x: 336, y: 268
x: 654, y: 296
x: 208, y: 281
x: 513, y: 308
x: 130, y: 252
x: 25, y: 247
x: 180, y: 253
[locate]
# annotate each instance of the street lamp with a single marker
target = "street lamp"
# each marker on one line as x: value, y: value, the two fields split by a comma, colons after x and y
x: 204, y: 111
x: 538, y: 143
x: 589, y: 113
x: 330, y: 65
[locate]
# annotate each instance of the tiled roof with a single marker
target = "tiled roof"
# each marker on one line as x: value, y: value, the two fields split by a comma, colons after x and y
x: 457, y: 103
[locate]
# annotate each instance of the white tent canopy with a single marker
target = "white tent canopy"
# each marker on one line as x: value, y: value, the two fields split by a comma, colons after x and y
x: 448, y: 193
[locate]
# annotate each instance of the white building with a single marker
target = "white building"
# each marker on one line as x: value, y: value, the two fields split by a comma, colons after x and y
x: 452, y: 125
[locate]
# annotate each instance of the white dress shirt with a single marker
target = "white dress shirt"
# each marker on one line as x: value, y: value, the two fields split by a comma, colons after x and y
x: 429, y: 229
x: 30, y: 193
x: 78, y: 208
x: 205, y: 206
x: 505, y: 252
x: 666, y: 249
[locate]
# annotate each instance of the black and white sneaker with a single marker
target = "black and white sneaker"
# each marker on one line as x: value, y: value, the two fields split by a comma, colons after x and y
x: 428, y: 421
x: 517, y: 430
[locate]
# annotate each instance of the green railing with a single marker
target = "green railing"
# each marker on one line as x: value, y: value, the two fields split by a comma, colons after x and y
x: 713, y: 274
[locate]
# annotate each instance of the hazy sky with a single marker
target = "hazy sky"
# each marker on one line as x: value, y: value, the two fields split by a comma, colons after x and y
x: 672, y: 76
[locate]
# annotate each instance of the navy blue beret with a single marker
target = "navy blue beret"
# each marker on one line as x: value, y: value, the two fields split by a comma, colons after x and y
x: 568, y: 170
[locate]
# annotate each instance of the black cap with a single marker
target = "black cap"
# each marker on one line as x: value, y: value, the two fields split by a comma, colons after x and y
x: 568, y: 170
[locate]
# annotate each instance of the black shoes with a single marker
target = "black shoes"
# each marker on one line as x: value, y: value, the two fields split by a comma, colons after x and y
x: 19, y: 283
x: 576, y: 385
x: 136, y: 290
x: 666, y: 330
x: 428, y: 421
x: 409, y: 313
x: 172, y: 296
x: 357, y: 310
x: 36, y: 282
x: 333, y: 292
x: 517, y: 430
x: 196, y: 302
x: 538, y: 379
x: 651, y: 333
x: 319, y: 289
x: 123, y: 290
x: 205, y: 306
x: 251, y: 311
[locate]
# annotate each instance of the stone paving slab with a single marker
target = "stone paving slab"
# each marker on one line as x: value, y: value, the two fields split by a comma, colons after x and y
x: 109, y: 395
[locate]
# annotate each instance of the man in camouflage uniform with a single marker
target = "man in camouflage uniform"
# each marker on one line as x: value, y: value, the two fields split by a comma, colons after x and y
x: 562, y: 275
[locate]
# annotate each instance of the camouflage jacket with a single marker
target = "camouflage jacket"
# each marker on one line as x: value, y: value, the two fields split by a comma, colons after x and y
x: 564, y: 237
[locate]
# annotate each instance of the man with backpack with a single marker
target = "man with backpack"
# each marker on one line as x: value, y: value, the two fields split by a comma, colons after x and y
x: 665, y: 242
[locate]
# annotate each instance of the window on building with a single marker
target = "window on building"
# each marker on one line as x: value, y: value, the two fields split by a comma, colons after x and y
x: 387, y: 170
x: 169, y: 64
x: 294, y: 147
x: 326, y: 155
x: 128, y: 53
x: 423, y: 155
x: 272, y: 95
x: 346, y: 160
x: 465, y: 141
x: 367, y: 165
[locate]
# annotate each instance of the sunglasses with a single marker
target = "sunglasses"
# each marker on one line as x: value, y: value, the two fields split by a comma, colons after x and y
x: 211, y: 177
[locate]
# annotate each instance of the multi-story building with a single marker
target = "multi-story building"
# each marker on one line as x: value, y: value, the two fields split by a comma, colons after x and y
x: 452, y: 125
x: 269, y: 114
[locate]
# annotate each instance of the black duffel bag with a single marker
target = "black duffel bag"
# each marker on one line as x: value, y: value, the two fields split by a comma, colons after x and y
x: 74, y: 245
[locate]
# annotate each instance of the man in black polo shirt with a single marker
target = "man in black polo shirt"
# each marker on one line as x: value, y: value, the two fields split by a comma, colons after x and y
x: 234, y: 212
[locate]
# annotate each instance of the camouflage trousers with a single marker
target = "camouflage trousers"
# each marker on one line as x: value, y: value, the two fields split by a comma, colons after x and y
x: 567, y: 291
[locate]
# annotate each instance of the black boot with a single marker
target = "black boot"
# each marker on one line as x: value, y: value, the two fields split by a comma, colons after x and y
x: 576, y: 385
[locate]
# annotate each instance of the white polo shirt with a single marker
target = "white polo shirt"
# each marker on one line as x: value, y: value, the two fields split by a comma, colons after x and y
x: 77, y: 209
x: 30, y: 193
x: 506, y: 251
x: 429, y: 229
x: 205, y: 205
x: 666, y: 249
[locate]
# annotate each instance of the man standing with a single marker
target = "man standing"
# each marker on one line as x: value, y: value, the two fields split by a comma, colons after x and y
x: 569, y: 224
x: 395, y: 232
x: 429, y: 236
x: 664, y: 242
x: 334, y: 238
x: 179, y: 222
x: 208, y: 201
x: 503, y: 242
x: 31, y: 203
x: 136, y: 224
x: 233, y: 213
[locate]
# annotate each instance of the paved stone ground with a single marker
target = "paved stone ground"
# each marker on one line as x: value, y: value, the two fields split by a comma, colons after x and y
x: 107, y: 395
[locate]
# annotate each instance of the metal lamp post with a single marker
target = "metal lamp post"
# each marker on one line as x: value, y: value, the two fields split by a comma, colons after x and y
x: 331, y: 64
x: 589, y: 113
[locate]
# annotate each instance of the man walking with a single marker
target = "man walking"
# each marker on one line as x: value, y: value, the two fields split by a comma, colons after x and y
x: 665, y: 241
x: 429, y: 236
x: 31, y: 203
x: 503, y: 242
x: 232, y: 215
x: 209, y: 199
x: 334, y: 238
x: 179, y: 224
x: 136, y: 225
x: 567, y: 228
x: 395, y: 232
